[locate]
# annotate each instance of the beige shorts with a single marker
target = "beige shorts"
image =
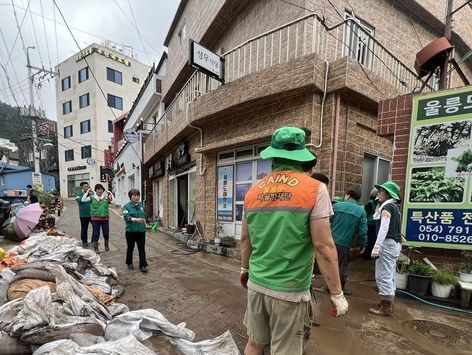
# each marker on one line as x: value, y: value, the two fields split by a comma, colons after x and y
x: 276, y: 322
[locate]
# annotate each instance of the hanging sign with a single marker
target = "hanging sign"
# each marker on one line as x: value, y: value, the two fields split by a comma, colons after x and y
x: 438, y: 196
x: 206, y: 61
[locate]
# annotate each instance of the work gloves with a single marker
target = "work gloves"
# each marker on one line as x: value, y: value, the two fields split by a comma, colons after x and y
x: 375, y: 251
x: 340, y: 305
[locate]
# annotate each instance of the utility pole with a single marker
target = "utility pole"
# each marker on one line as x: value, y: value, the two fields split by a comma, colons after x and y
x: 447, y: 34
x: 32, y: 112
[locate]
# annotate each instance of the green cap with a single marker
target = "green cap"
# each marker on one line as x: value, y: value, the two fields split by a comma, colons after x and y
x: 288, y: 143
x: 392, y: 188
x: 337, y: 199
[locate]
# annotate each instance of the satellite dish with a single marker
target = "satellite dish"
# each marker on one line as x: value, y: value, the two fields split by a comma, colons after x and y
x: 432, y: 56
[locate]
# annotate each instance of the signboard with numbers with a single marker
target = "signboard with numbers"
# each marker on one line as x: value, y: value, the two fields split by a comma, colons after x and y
x: 225, y: 193
x: 207, y: 61
x: 438, y: 194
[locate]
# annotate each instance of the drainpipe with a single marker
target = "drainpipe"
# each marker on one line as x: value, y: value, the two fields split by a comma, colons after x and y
x: 337, y: 108
x: 202, y: 168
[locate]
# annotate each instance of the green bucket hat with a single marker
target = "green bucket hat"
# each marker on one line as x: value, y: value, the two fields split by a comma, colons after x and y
x: 392, y: 188
x: 288, y: 143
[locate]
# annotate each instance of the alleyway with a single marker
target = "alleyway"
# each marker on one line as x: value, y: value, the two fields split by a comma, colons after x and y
x: 203, y: 291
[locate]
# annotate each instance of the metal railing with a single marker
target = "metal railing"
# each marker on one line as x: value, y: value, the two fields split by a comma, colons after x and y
x: 306, y: 35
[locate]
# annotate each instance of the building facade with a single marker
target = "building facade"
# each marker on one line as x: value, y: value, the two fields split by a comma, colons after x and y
x: 320, y: 67
x: 93, y: 88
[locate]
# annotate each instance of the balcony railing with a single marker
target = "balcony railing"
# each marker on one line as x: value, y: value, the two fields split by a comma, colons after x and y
x: 300, y: 37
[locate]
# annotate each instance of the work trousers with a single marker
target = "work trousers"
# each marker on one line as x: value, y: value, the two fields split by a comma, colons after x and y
x: 138, y: 238
x: 96, y: 225
x: 343, y: 260
x: 84, y: 223
x: 385, y: 267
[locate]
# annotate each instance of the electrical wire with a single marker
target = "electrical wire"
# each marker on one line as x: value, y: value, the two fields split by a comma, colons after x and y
x: 154, y: 51
x: 18, y: 26
x: 36, y: 39
x: 17, y: 35
x: 139, y: 32
x: 45, y: 34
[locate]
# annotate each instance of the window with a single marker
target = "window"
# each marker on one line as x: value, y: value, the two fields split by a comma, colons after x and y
x: 69, y: 154
x: 183, y: 34
x: 68, y: 131
x: 85, y: 127
x: 84, y: 100
x: 375, y: 170
x: 66, y: 83
x: 114, y: 75
x: 247, y: 170
x: 115, y: 102
x: 110, y: 126
x: 358, y: 40
x: 67, y: 107
x: 83, y: 74
x: 135, y: 79
x: 86, y: 151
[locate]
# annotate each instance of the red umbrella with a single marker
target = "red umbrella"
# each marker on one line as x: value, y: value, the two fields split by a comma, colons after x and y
x: 26, y: 219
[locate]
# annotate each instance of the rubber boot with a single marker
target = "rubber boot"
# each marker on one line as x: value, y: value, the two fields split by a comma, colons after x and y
x: 95, y: 247
x: 107, y: 247
x: 385, y: 308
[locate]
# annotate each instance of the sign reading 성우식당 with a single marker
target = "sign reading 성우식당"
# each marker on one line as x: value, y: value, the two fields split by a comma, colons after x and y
x: 438, y: 195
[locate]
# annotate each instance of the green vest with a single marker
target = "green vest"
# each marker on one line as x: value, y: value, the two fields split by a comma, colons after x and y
x: 277, y: 209
x: 84, y: 207
x: 99, y: 208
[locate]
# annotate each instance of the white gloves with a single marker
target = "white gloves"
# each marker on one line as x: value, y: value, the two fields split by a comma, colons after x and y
x: 375, y: 251
x: 340, y: 304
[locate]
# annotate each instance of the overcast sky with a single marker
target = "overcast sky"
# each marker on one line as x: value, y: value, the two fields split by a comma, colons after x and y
x: 90, y: 21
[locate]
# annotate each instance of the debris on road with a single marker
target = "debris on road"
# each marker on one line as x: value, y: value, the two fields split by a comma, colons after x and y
x: 58, y: 298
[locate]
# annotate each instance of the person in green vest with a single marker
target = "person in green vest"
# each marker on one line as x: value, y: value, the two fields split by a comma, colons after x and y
x: 286, y: 220
x: 84, y: 213
x: 100, y: 215
x: 135, y: 218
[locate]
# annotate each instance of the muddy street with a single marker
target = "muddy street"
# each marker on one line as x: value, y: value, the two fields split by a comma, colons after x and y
x: 203, y: 291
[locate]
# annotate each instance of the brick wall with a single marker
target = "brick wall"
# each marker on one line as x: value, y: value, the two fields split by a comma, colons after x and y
x: 395, y: 121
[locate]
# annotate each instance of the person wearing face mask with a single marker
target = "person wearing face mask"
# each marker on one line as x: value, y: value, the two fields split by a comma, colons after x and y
x: 100, y: 215
x: 135, y: 218
x: 387, y: 245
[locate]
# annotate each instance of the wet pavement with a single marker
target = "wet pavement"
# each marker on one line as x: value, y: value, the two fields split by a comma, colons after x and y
x: 203, y: 291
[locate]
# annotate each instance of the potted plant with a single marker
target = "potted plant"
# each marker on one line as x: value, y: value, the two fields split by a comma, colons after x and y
x: 443, y: 282
x: 419, y: 277
x: 465, y: 269
x: 401, y: 276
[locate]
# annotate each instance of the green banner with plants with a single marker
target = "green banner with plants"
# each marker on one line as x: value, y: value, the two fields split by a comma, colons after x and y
x: 438, y: 194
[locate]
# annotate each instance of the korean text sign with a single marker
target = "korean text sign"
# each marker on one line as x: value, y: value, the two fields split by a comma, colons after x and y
x: 438, y: 193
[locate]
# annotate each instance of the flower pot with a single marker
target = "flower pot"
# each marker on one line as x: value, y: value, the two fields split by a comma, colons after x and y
x: 217, y: 241
x: 401, y: 281
x: 464, y: 277
x: 442, y: 291
x: 418, y: 284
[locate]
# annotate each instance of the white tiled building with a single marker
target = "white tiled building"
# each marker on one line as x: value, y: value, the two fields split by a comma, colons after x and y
x: 92, y: 89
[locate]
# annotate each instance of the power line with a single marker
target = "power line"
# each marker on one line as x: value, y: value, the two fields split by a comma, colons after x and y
x: 16, y: 38
x: 155, y: 52
x: 55, y: 32
x: 37, y: 42
x: 45, y: 34
x: 139, y: 32
x: 18, y: 26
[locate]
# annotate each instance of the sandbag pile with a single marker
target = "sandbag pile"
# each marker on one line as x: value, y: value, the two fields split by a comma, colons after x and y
x: 62, y: 301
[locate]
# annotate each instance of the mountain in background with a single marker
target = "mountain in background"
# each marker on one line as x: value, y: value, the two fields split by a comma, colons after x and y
x: 13, y: 126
